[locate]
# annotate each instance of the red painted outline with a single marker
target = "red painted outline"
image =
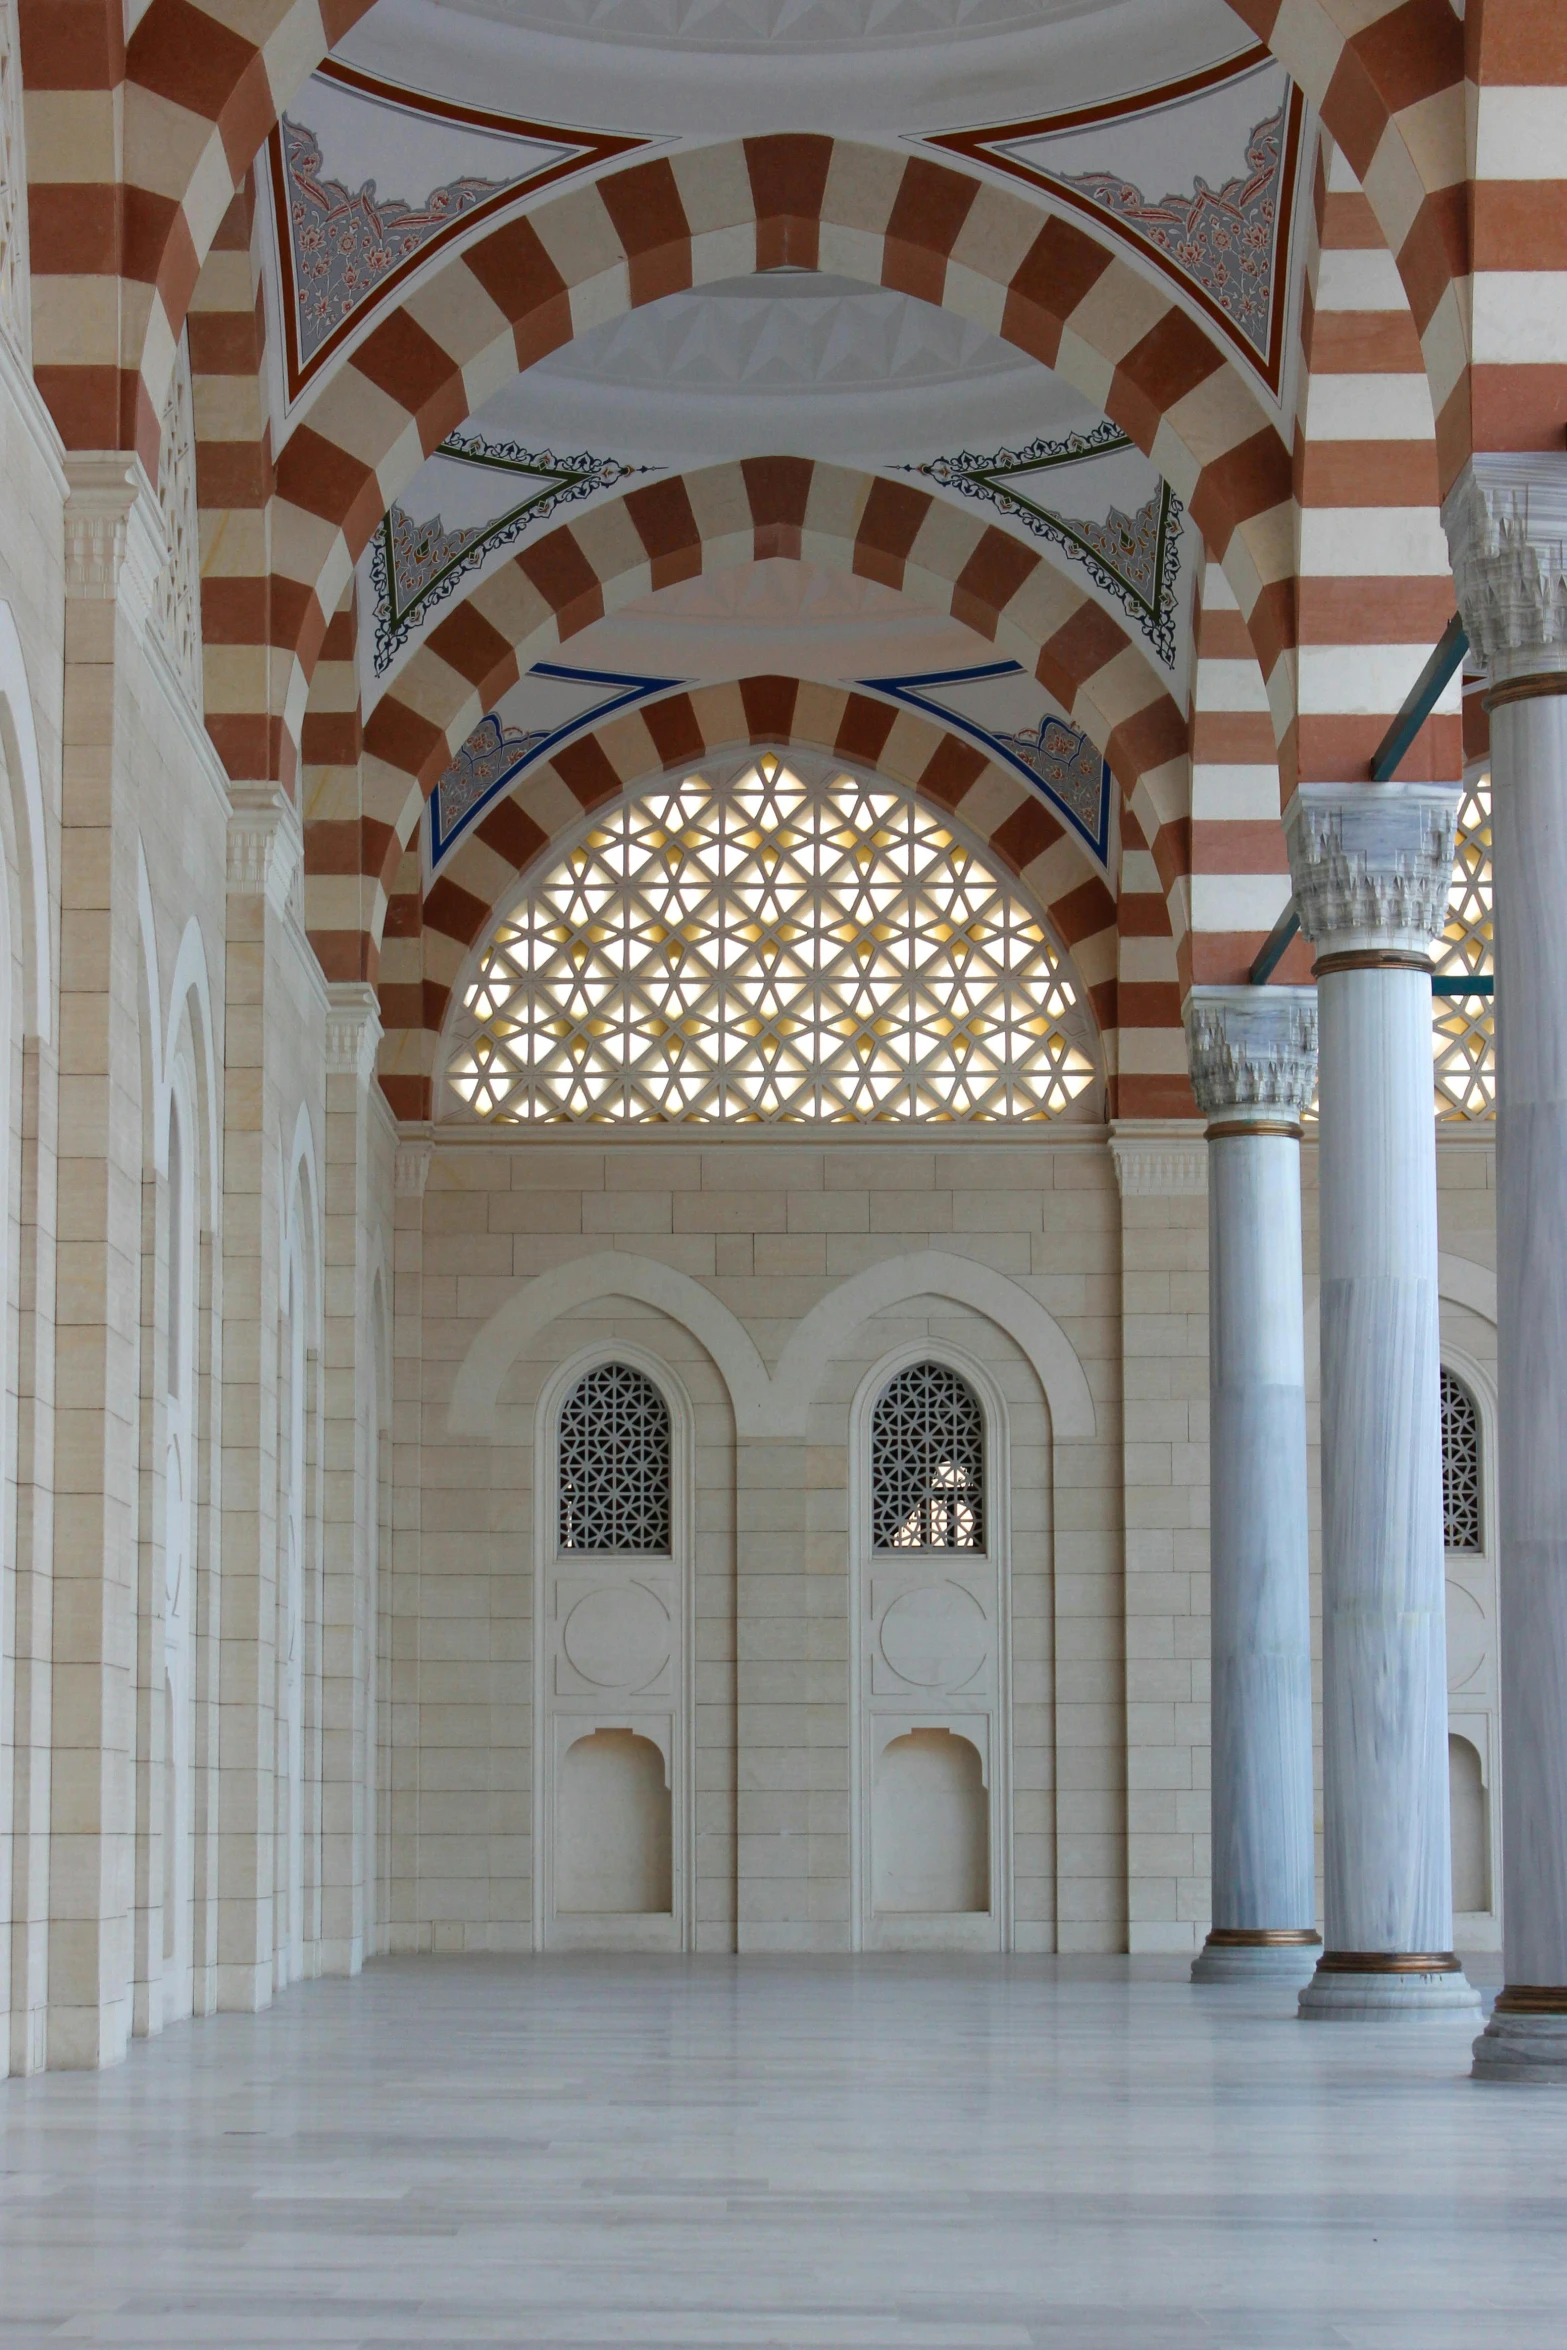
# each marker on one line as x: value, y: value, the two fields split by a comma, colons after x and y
x: 977, y: 146
x: 592, y: 149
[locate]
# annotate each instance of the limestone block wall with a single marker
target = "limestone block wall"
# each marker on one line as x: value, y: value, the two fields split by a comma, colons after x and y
x: 770, y: 1277
x: 154, y: 977
x: 769, y: 1280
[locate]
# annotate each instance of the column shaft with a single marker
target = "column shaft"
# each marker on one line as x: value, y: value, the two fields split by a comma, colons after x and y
x: 1372, y: 868
x: 1253, y: 1067
x: 1387, y: 1867
x: 1263, y: 1854
x: 1506, y: 521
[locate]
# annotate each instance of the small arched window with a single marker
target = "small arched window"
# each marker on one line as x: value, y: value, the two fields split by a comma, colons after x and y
x: 615, y: 1463
x: 1462, y: 1522
x: 928, y: 1462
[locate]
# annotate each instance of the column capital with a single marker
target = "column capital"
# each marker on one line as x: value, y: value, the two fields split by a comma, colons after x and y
x: 353, y: 1028
x: 1506, y: 523
x: 415, y: 1142
x: 1371, y: 865
x: 266, y: 844
x: 1253, y: 1052
x: 114, y: 543
x: 1159, y: 1158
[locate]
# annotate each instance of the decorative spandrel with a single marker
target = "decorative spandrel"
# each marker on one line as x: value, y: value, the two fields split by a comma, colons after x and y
x: 928, y: 1463
x: 1463, y: 1527
x: 615, y: 1464
x: 796, y: 944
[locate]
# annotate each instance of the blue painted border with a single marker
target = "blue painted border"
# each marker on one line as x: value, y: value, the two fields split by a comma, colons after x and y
x: 1000, y: 746
x: 636, y: 689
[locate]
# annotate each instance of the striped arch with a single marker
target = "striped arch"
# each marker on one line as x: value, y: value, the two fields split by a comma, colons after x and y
x: 1518, y: 201
x: 1387, y: 78
x: 947, y: 237
x: 1374, y: 587
x: 201, y: 83
x: 945, y: 558
x: 431, y: 928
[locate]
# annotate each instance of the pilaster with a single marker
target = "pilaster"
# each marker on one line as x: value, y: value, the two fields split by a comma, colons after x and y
x: 113, y: 551
x: 401, y: 1595
x: 1161, y: 1170
x: 353, y: 1030
x: 264, y: 858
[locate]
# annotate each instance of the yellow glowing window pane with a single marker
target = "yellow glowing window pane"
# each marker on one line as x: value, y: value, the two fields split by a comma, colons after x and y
x: 1463, y: 1029
x: 794, y: 945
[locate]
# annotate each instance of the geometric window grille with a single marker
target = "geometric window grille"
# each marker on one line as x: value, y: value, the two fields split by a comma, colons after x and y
x: 614, y: 1463
x: 793, y: 943
x: 1463, y: 1028
x: 1460, y: 1467
x: 927, y: 1463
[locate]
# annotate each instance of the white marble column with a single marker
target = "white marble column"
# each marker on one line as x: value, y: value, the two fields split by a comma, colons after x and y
x: 1253, y: 1056
x: 1506, y: 521
x: 1372, y: 867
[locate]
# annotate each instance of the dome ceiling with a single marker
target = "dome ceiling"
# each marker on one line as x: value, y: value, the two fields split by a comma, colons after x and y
x: 438, y: 124
x: 896, y: 65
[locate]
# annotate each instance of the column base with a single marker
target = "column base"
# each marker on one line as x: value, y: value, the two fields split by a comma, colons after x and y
x: 1378, y: 1986
x: 1284, y: 1955
x: 1526, y: 2038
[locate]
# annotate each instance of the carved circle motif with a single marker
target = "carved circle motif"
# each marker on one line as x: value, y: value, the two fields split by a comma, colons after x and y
x: 618, y: 1637
x: 1468, y: 1638
x: 936, y: 1637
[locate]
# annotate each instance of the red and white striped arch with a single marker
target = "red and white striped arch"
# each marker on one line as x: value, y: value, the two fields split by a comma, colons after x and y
x: 986, y: 251
x: 943, y: 557
x: 432, y: 928
x: 1374, y: 588
x: 140, y: 146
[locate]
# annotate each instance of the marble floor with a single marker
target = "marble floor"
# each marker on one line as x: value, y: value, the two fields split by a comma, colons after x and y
x: 905, y: 2154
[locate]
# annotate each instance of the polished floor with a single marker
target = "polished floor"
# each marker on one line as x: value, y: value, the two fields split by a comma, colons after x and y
x: 905, y: 2154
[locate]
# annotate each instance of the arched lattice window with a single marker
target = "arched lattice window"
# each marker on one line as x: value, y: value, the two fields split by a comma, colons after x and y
x: 615, y: 1463
x: 928, y: 1463
x: 1463, y: 1027
x: 1463, y: 1528
x: 793, y: 944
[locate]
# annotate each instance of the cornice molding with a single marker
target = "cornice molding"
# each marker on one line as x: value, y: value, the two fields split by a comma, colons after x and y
x: 1506, y: 524
x: 1252, y: 1050
x: 1159, y: 1158
x: 1371, y: 864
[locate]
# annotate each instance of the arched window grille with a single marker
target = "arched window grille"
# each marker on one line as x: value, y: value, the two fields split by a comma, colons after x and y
x: 1463, y: 1527
x: 928, y: 1462
x: 794, y: 943
x: 615, y: 1463
x: 1463, y: 1038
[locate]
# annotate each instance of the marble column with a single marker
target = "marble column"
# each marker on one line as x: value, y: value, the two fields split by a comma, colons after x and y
x: 1506, y: 522
x: 1253, y: 1056
x: 1372, y: 867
